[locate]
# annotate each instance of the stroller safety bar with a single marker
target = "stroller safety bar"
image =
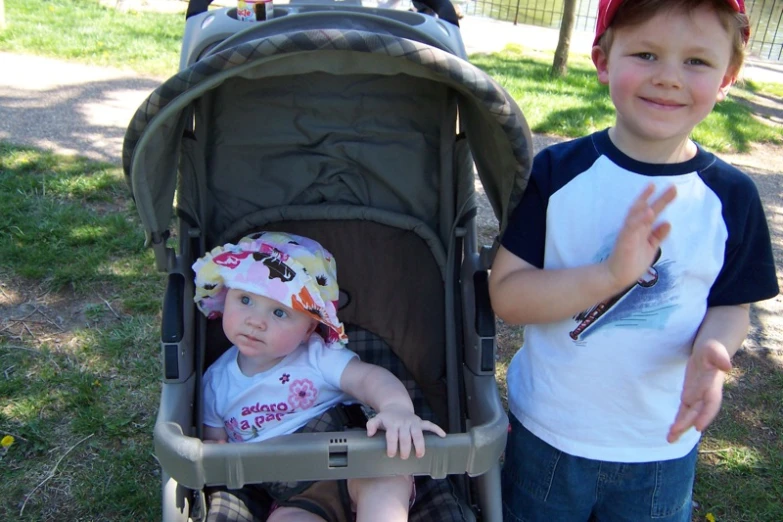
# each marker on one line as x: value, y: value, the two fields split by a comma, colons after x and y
x: 326, y: 456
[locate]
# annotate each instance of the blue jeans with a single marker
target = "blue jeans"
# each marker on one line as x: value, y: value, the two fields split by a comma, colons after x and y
x: 541, y: 483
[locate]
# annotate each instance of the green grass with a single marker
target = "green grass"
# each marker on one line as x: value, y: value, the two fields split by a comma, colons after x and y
x: 79, y: 367
x: 577, y: 104
x: 572, y: 106
x: 766, y: 88
x: 79, y: 355
x: 85, y: 31
x: 740, y: 472
x: 67, y: 221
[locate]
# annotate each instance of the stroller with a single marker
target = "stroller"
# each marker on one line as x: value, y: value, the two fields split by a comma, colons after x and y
x: 360, y: 128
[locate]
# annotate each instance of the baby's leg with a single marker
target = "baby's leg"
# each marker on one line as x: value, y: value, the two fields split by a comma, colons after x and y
x: 381, y: 499
x: 292, y: 514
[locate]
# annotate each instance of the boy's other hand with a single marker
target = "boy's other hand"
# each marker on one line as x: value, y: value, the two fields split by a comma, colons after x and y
x: 403, y: 428
x: 702, y: 392
x: 639, y: 239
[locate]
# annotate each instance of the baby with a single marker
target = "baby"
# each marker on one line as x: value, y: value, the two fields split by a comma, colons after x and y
x: 277, y: 294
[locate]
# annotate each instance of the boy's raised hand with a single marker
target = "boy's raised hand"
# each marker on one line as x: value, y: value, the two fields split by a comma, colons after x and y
x: 403, y: 428
x: 702, y: 392
x: 639, y: 239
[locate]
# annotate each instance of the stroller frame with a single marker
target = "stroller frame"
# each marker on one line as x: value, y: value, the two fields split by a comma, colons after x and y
x: 493, y: 124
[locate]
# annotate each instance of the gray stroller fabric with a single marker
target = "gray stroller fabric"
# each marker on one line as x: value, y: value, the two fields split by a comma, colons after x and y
x: 497, y: 132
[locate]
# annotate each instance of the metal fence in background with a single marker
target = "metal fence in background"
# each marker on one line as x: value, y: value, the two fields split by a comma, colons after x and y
x: 766, y: 18
x: 766, y: 32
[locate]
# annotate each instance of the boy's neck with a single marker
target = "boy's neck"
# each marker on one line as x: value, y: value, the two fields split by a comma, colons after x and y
x: 659, y: 152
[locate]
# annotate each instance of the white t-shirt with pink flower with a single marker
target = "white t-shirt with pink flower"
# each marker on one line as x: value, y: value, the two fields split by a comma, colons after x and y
x: 280, y: 400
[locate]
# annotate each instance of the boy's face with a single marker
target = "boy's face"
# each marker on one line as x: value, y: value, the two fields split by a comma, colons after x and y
x: 666, y: 74
x: 263, y: 329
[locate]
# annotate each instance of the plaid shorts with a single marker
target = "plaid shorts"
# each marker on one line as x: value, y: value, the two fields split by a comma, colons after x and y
x: 436, y: 500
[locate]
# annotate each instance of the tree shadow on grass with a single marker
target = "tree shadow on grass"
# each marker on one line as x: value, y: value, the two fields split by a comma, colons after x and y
x: 67, y: 223
x: 86, y: 119
x: 78, y: 353
x: 586, y: 102
x: 765, y: 106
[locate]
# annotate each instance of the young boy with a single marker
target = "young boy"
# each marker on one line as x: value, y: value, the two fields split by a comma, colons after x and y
x: 288, y: 364
x: 632, y: 259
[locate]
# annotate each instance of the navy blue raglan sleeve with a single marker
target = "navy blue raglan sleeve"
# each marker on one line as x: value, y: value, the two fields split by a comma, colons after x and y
x: 525, y: 234
x: 748, y: 274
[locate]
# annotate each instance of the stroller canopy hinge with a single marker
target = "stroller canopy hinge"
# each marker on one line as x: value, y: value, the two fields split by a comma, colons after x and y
x: 165, y: 258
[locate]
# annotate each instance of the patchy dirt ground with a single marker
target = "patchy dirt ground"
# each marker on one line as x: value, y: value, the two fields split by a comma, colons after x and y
x: 33, y: 316
x: 765, y: 166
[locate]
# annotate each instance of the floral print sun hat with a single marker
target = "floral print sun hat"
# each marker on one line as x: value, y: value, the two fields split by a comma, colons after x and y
x: 293, y: 270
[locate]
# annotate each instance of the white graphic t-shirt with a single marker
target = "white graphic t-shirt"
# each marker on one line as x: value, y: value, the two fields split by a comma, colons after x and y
x: 278, y: 401
x: 606, y: 383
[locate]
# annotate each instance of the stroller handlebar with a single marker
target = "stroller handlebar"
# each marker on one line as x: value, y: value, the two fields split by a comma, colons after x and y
x: 329, y: 455
x: 443, y: 8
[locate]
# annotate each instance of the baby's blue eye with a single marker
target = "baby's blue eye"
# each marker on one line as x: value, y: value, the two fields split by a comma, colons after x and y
x: 245, y: 300
x: 279, y: 312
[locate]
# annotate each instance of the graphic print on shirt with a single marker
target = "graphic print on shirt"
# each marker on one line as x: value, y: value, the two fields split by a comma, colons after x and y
x: 645, y: 304
x: 302, y: 395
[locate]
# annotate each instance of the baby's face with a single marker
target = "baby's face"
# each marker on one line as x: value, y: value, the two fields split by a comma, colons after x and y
x: 264, y: 329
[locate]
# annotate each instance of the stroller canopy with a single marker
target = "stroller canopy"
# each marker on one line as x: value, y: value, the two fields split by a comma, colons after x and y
x: 495, y: 128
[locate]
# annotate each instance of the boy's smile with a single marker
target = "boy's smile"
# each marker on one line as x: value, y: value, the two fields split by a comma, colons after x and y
x: 663, y: 104
x: 665, y: 76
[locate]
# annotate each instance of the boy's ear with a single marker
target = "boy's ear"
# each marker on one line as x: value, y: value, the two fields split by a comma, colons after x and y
x: 726, y: 83
x: 601, y: 61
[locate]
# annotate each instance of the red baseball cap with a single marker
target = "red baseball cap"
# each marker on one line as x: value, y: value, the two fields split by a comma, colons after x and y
x: 608, y: 8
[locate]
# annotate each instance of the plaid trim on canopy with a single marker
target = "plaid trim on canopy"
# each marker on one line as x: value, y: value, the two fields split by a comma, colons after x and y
x: 483, y: 88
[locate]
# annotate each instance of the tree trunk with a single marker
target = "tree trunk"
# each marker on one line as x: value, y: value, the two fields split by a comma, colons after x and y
x: 560, y: 63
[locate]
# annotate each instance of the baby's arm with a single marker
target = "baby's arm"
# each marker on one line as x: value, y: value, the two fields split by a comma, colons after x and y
x: 522, y: 293
x: 215, y: 435
x: 720, y: 336
x: 382, y: 391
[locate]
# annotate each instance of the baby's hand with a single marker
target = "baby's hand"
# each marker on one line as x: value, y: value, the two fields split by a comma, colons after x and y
x: 402, y: 426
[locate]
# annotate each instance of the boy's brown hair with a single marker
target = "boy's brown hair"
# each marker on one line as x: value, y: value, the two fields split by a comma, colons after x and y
x: 634, y: 12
